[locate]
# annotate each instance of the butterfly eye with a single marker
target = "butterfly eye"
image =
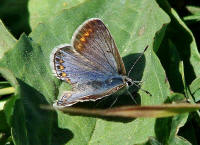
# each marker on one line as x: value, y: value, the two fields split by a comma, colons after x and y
x: 129, y: 83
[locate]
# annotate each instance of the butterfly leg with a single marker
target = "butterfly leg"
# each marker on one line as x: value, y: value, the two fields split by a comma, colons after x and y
x: 114, y: 101
x: 132, y: 97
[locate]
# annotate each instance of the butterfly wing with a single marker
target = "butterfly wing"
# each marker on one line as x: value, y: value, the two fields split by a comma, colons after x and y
x: 94, y: 41
x: 72, y: 67
x: 90, y: 91
x: 92, y: 59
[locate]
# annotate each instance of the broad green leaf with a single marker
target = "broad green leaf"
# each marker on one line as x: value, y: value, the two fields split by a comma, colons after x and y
x: 131, y: 34
x: 30, y: 125
x: 7, y: 41
x: 195, y: 89
x: 151, y: 141
x: 133, y: 25
x: 41, y: 11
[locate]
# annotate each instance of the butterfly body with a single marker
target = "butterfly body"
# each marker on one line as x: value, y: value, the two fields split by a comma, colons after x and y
x: 91, y: 64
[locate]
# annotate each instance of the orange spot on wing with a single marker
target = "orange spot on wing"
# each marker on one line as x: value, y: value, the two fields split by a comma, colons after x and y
x: 79, y: 46
x: 86, y: 34
x: 63, y: 74
x: 61, y: 61
x: 61, y: 67
x: 83, y: 39
x: 68, y: 80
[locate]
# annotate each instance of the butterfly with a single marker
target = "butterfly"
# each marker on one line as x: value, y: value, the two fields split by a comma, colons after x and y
x: 91, y: 64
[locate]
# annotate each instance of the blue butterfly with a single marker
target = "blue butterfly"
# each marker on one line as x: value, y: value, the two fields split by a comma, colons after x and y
x: 91, y: 64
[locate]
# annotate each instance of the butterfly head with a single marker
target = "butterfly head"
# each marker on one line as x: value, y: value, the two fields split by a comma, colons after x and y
x: 128, y: 81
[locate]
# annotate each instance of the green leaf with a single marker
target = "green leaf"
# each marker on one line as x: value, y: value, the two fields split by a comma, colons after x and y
x: 167, y: 128
x: 7, y: 107
x: 195, y: 18
x: 188, y: 131
x: 181, y: 141
x: 133, y: 25
x: 8, y: 104
x: 185, y: 45
x: 195, y: 89
x: 7, y: 40
x: 177, y: 98
x: 131, y: 34
x: 171, y: 62
x: 193, y: 9
x: 41, y: 11
x: 152, y: 141
x: 20, y: 60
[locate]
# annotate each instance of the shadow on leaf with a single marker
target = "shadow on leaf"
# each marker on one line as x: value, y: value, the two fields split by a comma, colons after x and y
x: 33, y: 124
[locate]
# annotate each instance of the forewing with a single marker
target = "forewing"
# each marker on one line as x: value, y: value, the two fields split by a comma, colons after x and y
x: 94, y: 41
x: 72, y: 67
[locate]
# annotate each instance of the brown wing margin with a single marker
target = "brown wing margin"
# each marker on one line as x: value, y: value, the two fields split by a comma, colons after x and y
x: 94, y: 40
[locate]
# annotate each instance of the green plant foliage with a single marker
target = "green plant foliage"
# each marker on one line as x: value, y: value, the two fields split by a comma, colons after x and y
x: 134, y: 25
x: 7, y: 40
x: 195, y: 16
x: 195, y: 89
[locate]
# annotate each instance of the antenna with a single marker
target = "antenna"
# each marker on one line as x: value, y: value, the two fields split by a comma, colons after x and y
x: 137, y: 60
